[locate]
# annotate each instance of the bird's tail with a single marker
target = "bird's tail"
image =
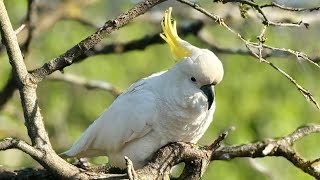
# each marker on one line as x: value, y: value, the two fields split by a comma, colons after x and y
x: 81, y: 147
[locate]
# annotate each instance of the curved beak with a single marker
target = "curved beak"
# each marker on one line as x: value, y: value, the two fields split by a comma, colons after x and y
x: 207, y: 90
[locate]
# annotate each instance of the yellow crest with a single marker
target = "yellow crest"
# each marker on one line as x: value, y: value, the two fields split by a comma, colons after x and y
x: 170, y: 35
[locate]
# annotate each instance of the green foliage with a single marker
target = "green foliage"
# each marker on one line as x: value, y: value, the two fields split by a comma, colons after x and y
x: 253, y: 97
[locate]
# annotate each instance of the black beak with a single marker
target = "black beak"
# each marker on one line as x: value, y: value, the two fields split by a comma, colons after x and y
x: 207, y: 90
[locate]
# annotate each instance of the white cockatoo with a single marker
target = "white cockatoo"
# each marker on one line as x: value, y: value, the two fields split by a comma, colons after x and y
x: 170, y: 106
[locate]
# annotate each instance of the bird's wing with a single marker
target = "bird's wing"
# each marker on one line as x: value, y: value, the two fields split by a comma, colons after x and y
x: 129, y: 117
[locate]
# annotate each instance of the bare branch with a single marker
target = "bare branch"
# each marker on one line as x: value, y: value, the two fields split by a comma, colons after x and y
x: 10, y: 39
x: 250, y: 3
x: 13, y: 143
x: 274, y: 4
x: 8, y: 90
x: 297, y: 54
x: 17, y: 31
x: 33, y: 118
x: 303, y: 91
x: 31, y: 22
x: 197, y: 158
x: 217, y: 143
x: 139, y: 44
x: 90, y: 84
x: 266, y: 52
x: 26, y: 86
x: 266, y: 21
x: 68, y: 57
x: 273, y: 147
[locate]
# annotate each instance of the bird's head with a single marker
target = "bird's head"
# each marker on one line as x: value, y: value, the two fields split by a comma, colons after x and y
x: 201, y: 66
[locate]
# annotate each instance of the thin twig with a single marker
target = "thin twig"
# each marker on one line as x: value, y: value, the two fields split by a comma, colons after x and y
x: 274, y: 4
x: 90, y: 84
x: 298, y: 54
x: 217, y: 143
x: 266, y: 52
x: 265, y: 21
x: 303, y: 91
x: 31, y: 23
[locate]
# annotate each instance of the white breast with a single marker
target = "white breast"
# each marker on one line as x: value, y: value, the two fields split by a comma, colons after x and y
x: 184, y: 120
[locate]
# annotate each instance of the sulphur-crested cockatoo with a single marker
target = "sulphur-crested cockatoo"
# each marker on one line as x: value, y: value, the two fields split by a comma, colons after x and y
x: 170, y: 106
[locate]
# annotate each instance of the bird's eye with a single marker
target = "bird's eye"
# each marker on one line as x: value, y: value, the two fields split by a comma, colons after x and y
x: 193, y: 79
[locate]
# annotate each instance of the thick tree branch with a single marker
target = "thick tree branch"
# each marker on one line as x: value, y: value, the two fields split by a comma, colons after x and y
x: 26, y: 86
x: 27, y: 89
x: 198, y: 158
x: 8, y: 90
x: 10, y: 39
x: 273, y: 147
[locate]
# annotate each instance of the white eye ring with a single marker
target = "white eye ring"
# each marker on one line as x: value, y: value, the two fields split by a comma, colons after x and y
x: 193, y: 79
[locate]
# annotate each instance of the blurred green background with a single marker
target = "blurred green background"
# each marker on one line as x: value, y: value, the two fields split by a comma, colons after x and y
x: 253, y: 97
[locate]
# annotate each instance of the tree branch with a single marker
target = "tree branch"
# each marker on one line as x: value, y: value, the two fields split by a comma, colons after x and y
x: 9, y: 37
x: 266, y: 52
x: 89, y: 84
x: 68, y: 57
x: 27, y: 89
x: 8, y: 90
x: 138, y: 44
x: 195, y: 157
x: 273, y: 147
x: 266, y: 21
x: 198, y: 158
x: 13, y: 143
x: 276, y: 5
